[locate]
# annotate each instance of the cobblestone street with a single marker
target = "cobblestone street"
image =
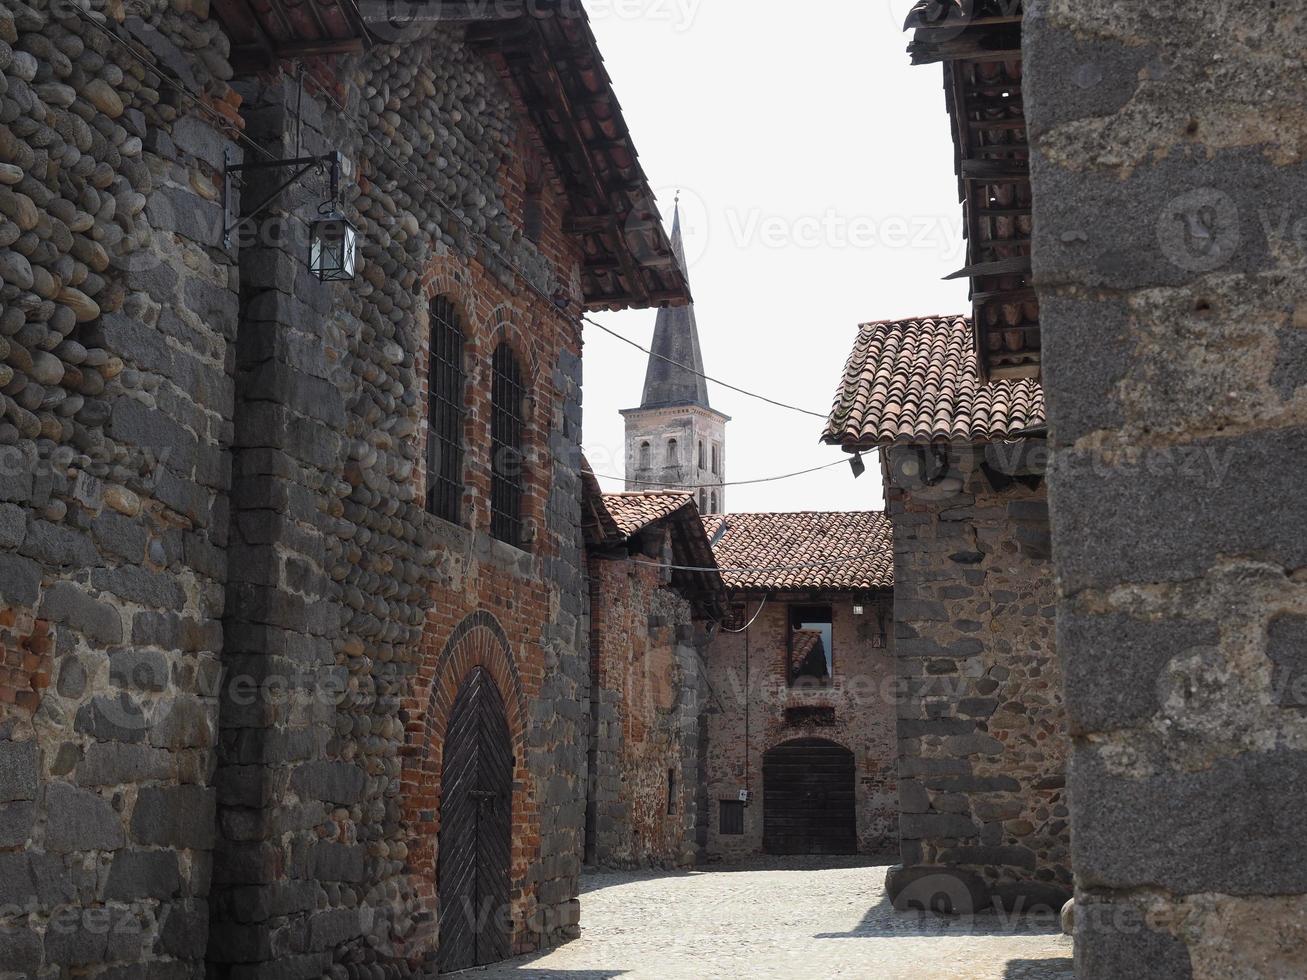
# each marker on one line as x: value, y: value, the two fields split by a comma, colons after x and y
x: 788, y: 918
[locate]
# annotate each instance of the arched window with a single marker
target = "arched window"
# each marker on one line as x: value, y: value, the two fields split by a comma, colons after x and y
x: 716, y: 460
x: 703, y: 501
x: 507, y: 474
x: 446, y: 408
x: 713, y: 507
x: 646, y: 452
x: 703, y: 460
x: 673, y: 453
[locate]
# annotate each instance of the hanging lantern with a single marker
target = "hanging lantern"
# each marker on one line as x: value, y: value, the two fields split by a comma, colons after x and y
x: 333, y: 247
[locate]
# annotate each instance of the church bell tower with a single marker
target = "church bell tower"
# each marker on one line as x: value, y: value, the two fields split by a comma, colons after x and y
x: 676, y: 439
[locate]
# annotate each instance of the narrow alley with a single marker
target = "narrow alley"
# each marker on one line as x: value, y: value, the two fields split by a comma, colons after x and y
x: 795, y: 917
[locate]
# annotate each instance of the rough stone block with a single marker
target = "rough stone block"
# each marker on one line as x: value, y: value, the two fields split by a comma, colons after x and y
x: 135, y: 875
x: 1146, y: 832
x: 65, y: 602
x: 1111, y: 665
x: 16, y: 821
x: 79, y: 820
x: 1114, y: 940
x: 1286, y: 645
x: 1180, y: 524
x: 20, y: 580
x: 115, y: 763
x: 19, y: 770
x: 176, y: 816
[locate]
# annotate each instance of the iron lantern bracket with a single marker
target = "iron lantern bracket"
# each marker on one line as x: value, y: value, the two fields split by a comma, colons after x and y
x: 303, y: 165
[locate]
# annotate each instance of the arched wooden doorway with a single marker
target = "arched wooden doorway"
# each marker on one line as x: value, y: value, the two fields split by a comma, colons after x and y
x: 476, y: 793
x: 808, y: 804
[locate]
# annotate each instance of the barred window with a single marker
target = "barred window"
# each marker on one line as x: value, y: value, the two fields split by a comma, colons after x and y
x: 506, y: 429
x: 446, y: 410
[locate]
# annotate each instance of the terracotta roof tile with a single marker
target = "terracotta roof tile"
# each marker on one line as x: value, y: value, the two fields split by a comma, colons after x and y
x: 916, y: 381
x: 826, y: 541
x: 632, y: 512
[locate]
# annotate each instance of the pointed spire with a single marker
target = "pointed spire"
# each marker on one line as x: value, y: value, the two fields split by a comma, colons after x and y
x: 676, y: 343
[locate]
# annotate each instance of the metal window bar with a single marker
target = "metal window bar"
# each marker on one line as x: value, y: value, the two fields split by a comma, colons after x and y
x: 506, y: 428
x: 446, y: 391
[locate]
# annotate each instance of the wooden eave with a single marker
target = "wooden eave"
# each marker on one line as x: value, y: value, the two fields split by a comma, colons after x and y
x: 555, y: 63
x: 264, y: 33
x: 981, y: 56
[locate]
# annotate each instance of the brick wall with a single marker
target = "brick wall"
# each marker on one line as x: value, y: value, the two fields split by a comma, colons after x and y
x: 748, y: 694
x: 645, y: 704
x: 981, y: 722
x: 1171, y: 272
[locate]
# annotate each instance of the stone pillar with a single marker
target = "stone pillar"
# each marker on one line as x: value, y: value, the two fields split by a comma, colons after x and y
x: 982, y: 733
x: 1170, y: 255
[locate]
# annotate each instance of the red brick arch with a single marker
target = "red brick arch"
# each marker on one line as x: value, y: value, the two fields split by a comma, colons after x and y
x: 478, y: 641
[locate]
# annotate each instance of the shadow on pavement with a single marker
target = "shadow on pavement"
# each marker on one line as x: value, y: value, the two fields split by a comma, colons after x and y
x: 885, y: 922
x: 1058, y: 968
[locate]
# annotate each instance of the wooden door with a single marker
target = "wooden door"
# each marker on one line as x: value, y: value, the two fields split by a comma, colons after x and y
x: 808, y: 804
x: 476, y: 787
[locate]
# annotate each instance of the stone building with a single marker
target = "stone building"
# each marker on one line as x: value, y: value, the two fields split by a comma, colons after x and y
x: 649, y: 626
x: 799, y: 710
x: 676, y: 440
x: 982, y: 741
x: 274, y: 550
x: 1170, y: 272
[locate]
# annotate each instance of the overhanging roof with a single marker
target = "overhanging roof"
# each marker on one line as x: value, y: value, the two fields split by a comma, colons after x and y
x: 548, y: 50
x: 979, y: 44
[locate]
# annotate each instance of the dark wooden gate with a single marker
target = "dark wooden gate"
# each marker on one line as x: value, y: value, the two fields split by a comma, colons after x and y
x: 808, y: 802
x: 476, y: 787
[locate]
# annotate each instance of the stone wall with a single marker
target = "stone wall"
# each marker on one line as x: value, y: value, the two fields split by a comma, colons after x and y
x: 371, y: 610
x: 748, y: 694
x: 646, y: 679
x: 1171, y: 275
x: 118, y: 315
x: 981, y: 722
x: 246, y: 766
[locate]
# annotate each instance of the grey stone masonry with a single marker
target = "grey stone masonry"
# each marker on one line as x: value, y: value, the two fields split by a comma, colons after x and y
x: 114, y: 431
x: 981, y: 723
x: 1170, y: 255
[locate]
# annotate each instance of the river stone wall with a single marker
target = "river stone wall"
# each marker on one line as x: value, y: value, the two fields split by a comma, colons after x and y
x: 346, y: 590
x: 1171, y: 273
x: 181, y: 749
x: 981, y: 721
x: 118, y: 313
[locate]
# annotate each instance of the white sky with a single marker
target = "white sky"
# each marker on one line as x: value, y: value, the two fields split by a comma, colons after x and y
x: 818, y: 192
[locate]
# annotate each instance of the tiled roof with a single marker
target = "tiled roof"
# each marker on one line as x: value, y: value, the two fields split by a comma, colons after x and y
x: 632, y: 512
x: 841, y: 552
x: 916, y: 381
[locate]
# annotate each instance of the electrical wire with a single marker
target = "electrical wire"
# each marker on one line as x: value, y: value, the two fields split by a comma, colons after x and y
x: 729, y: 483
x: 435, y: 198
x: 223, y: 122
x: 749, y: 624
x: 706, y: 377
